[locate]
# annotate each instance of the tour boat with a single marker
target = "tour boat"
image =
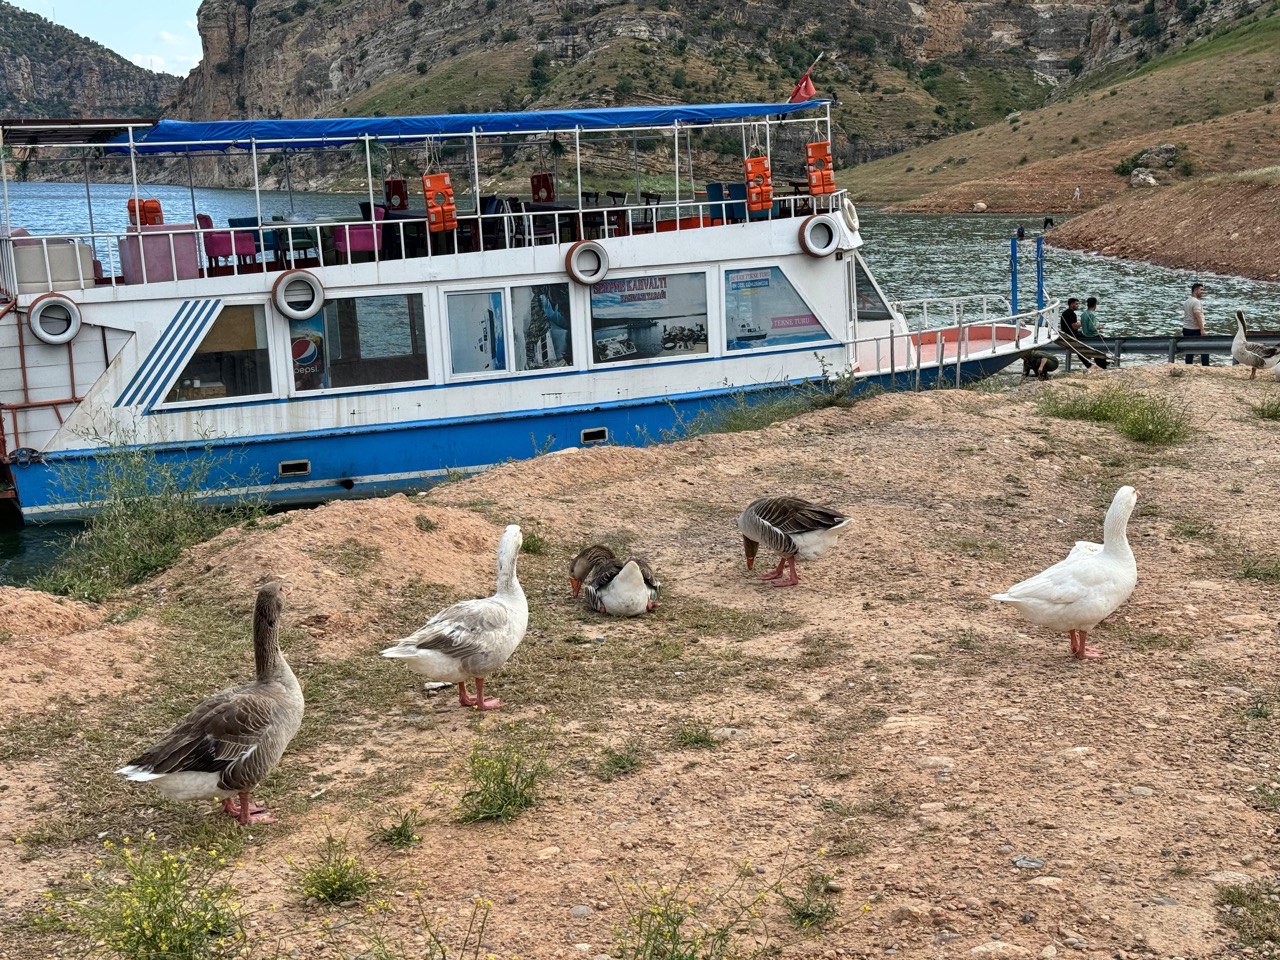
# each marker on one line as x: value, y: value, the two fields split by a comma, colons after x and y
x: 300, y: 359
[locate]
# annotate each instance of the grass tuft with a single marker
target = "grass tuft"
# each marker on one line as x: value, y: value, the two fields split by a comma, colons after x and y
x: 1253, y: 912
x: 1266, y: 569
x: 1268, y: 409
x: 336, y: 876
x: 534, y: 544
x: 1141, y: 417
x: 506, y: 776
x: 401, y: 832
x: 810, y: 908
x: 147, y: 903
x: 424, y: 523
x: 678, y: 922
x: 694, y: 735
x: 617, y: 763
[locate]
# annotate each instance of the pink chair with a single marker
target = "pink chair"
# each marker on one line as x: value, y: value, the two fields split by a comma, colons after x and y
x: 166, y: 248
x: 365, y: 238
x: 223, y: 244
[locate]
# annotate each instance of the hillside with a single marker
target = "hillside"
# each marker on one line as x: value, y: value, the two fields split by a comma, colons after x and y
x: 1225, y: 224
x: 47, y: 70
x: 954, y: 783
x: 1216, y: 96
x: 903, y: 73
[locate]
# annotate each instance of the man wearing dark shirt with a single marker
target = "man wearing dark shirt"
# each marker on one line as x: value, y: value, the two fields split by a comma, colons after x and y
x: 1070, y: 325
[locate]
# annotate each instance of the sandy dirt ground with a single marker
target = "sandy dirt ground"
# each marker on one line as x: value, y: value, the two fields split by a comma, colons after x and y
x: 884, y: 722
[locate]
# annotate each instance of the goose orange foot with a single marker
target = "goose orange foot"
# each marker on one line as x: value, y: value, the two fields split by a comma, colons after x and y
x: 776, y: 572
x: 482, y: 702
x: 793, y: 579
x: 246, y: 811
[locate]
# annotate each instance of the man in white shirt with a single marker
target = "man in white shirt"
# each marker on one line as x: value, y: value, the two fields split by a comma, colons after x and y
x: 1193, y: 320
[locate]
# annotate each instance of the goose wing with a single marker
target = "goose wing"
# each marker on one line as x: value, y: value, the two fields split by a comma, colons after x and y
x: 462, y: 631
x: 1073, y: 580
x: 219, y: 736
x: 775, y: 521
x: 646, y: 571
x: 601, y: 576
x: 580, y: 567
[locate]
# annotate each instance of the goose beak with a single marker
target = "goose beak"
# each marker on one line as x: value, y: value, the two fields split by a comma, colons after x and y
x: 575, y: 585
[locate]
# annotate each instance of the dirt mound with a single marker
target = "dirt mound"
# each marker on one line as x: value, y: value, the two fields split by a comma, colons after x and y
x: 1226, y: 224
x: 30, y: 613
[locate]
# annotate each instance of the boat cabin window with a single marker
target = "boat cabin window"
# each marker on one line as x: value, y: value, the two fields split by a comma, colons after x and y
x: 540, y: 323
x: 871, y: 305
x: 763, y: 309
x: 360, y: 341
x: 648, y: 318
x: 231, y: 361
x: 477, y: 332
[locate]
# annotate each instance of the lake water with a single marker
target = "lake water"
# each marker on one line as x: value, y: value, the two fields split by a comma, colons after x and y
x: 912, y: 255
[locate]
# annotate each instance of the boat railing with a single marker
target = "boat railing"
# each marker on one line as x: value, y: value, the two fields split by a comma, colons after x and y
x: 33, y: 264
x: 929, y: 312
x: 908, y: 353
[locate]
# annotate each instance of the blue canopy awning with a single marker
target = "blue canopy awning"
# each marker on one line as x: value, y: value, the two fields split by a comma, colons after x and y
x: 180, y: 136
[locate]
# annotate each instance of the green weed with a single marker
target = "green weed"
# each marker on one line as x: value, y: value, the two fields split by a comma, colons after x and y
x: 336, y: 876
x: 506, y: 776
x: 1266, y: 569
x: 534, y: 543
x: 147, y: 903
x: 424, y: 523
x: 146, y: 511
x: 617, y: 763
x: 677, y: 922
x: 810, y: 907
x: 1253, y: 912
x: 694, y: 735
x: 1268, y: 409
x: 401, y: 832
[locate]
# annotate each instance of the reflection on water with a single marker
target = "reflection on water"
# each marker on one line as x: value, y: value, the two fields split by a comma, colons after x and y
x: 922, y: 255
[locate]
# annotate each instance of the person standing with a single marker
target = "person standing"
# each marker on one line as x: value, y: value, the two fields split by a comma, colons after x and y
x: 1193, y: 320
x: 1089, y: 319
x: 1076, y: 197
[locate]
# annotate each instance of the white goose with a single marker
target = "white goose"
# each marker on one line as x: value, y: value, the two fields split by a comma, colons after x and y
x: 1088, y: 586
x: 1252, y: 355
x: 622, y: 589
x: 474, y: 638
x: 230, y: 742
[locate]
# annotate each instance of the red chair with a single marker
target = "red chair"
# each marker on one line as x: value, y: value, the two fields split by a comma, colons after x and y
x: 223, y: 244
x: 363, y: 238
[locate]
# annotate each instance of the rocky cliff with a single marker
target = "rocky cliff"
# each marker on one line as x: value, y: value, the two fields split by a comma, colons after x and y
x: 49, y: 71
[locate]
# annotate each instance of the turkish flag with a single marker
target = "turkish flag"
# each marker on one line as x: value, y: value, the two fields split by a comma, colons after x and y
x: 805, y: 90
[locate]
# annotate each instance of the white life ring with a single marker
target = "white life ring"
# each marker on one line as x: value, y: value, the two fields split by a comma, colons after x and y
x: 850, y: 213
x: 58, y: 310
x: 286, y: 294
x: 820, y: 235
x: 587, y: 262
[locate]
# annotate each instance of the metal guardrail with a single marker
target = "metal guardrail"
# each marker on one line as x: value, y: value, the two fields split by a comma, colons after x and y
x: 1169, y: 347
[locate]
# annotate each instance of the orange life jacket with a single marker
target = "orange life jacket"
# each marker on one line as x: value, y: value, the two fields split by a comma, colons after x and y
x: 822, y: 178
x: 759, y: 184
x: 442, y: 212
x: 151, y: 212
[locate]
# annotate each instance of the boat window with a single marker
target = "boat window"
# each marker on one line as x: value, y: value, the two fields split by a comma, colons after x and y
x: 540, y: 325
x: 360, y: 341
x: 763, y: 309
x: 646, y: 318
x: 477, y: 332
x: 871, y: 305
x: 231, y: 361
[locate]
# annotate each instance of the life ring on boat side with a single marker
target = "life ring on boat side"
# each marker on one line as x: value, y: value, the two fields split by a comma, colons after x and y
x: 820, y: 235
x: 60, y: 312
x: 587, y: 262
x: 296, y: 303
x: 850, y: 213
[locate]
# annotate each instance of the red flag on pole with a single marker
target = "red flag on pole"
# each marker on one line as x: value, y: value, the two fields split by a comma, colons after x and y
x: 805, y: 90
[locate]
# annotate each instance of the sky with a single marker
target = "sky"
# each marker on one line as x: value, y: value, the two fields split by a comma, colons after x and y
x: 156, y: 34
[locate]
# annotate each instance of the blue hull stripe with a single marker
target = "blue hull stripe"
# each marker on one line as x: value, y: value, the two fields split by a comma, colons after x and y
x: 190, y: 337
x: 191, y: 314
x: 360, y: 461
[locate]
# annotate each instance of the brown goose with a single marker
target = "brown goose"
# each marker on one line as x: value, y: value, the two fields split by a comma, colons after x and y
x: 230, y: 742
x: 1252, y: 355
x: 793, y: 528
x: 622, y: 588
x: 580, y: 567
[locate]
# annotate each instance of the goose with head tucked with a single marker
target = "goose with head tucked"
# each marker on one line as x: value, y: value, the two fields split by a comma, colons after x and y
x: 791, y: 527
x: 230, y: 742
x: 581, y: 566
x: 471, y: 640
x: 1252, y: 355
x: 622, y: 588
x: 1078, y: 593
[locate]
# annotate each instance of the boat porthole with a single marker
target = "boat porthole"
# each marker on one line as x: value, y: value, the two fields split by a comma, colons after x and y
x: 298, y: 294
x: 820, y: 235
x: 587, y: 262
x: 54, y: 319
